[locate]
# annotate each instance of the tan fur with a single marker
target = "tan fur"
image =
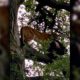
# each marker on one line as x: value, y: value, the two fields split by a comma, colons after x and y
x: 29, y: 33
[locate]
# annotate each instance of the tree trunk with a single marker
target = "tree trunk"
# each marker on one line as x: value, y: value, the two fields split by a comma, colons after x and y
x: 17, y: 56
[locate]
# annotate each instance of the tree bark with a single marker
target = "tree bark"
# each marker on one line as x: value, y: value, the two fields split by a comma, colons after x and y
x: 17, y: 56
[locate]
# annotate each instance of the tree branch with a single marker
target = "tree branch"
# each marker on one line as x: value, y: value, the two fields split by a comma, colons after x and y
x: 54, y: 4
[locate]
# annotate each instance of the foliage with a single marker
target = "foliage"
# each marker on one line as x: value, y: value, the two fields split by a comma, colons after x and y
x: 76, y: 73
x: 44, y: 46
x: 16, y: 68
x: 63, y: 0
x: 59, y: 68
x: 30, y: 5
x: 61, y: 65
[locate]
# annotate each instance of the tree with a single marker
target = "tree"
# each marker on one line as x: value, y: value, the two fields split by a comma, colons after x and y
x: 75, y: 53
x: 16, y: 56
x: 4, y: 41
